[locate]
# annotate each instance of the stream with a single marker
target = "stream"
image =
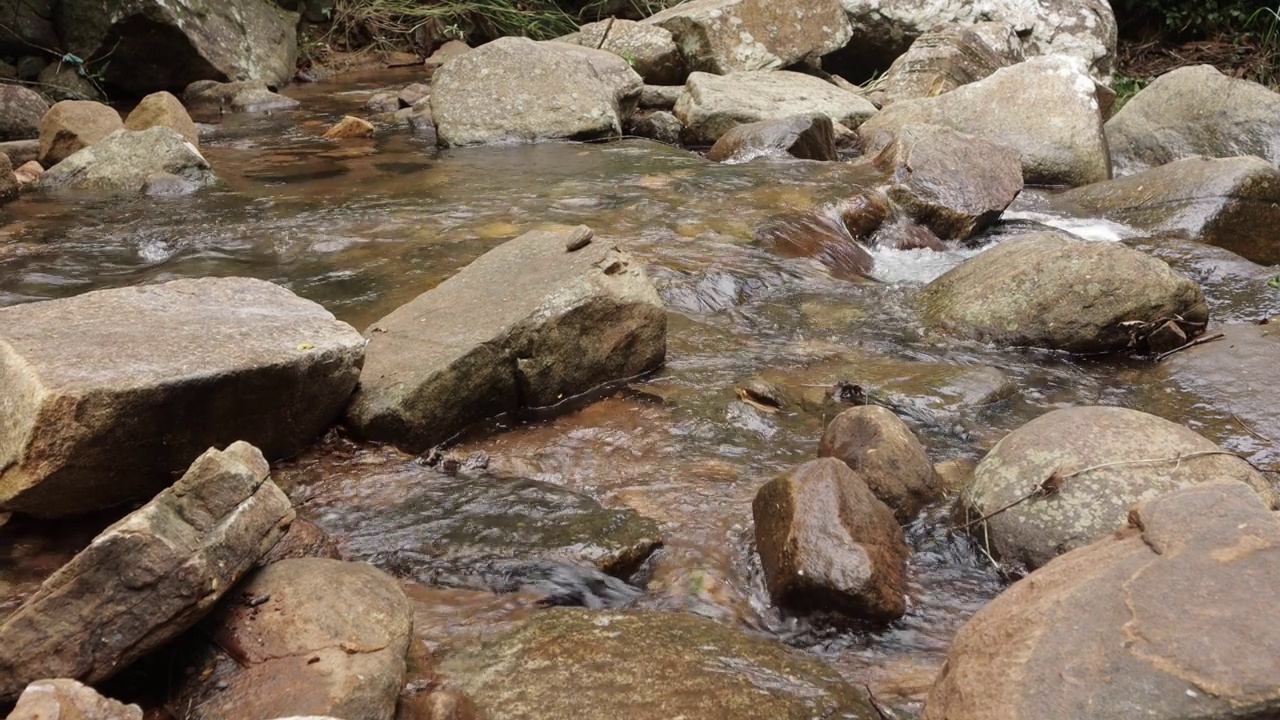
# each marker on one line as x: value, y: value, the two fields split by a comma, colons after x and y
x: 363, y: 226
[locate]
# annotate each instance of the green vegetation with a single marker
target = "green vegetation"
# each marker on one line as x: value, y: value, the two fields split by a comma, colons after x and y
x: 396, y: 23
x: 1126, y: 86
x: 1190, y: 18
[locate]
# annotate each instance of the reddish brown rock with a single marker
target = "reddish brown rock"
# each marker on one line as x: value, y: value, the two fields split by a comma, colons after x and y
x: 887, y: 455
x: 162, y: 108
x: 350, y: 127
x: 69, y: 700
x: 71, y: 125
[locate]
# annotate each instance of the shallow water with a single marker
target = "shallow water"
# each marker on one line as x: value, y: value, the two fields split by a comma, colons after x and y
x: 362, y: 226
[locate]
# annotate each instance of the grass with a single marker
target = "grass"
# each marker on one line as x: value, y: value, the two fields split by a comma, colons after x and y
x: 408, y: 23
x: 1126, y: 86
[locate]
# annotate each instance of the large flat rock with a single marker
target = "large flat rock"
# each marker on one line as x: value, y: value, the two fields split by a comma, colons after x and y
x: 104, y: 397
x: 527, y: 325
x: 149, y: 577
x: 711, y: 105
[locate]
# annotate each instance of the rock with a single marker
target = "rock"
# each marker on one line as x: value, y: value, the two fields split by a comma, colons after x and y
x: 8, y: 73
x: 20, y: 112
x: 164, y: 184
x: 10, y: 184
x: 827, y: 544
x: 886, y: 455
x: 446, y: 52
x: 149, y: 577
x: 21, y: 152
x: 29, y: 172
x: 1233, y: 203
x: 1167, y: 620
x: 157, y: 45
x: 1092, y: 505
x: 1194, y: 111
x: 1048, y: 111
x: 110, y: 393
x: 310, y: 636
x: 524, y: 326
x: 612, y: 69
x: 657, y: 125
x: 125, y: 159
x: 1051, y: 291
x: 350, y: 127
x: 726, y: 36
x: 26, y: 24
x: 30, y: 66
x: 954, y: 184
x: 71, y: 125
x: 693, y: 667
x: 1084, y: 29
x: 383, y: 102
x: 165, y: 110
x: 243, y: 96
x: 833, y: 234
x: 69, y: 700
x: 304, y: 539
x: 939, y: 61
x: 1001, y: 38
x: 514, y: 89
x: 491, y: 533
x: 650, y: 49
x: 660, y: 97
x: 64, y: 82
x: 413, y: 93
x: 808, y: 137
x: 712, y: 104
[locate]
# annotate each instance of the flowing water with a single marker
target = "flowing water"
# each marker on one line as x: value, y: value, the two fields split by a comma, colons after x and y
x: 362, y: 226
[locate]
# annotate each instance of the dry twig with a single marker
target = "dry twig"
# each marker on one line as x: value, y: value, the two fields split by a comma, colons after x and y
x: 1193, y: 343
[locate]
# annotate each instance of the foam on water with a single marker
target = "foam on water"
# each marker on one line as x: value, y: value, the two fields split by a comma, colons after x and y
x: 915, y: 267
x: 1095, y: 229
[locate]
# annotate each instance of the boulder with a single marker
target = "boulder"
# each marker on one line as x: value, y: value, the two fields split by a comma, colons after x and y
x: 69, y: 700
x: 241, y: 96
x: 445, y: 53
x: 383, y: 102
x: 108, y: 394
x: 26, y: 174
x: 1085, y: 29
x: 26, y: 24
x: 123, y: 160
x: 149, y: 577
x: 692, y: 667
x: 20, y: 112
x: 827, y: 544
x: 1001, y: 38
x: 490, y: 533
x: 72, y: 125
x: 1090, y: 502
x: 162, y: 184
x: 1052, y: 291
x: 530, y: 323
x: 954, y: 184
x: 726, y: 36
x: 413, y: 93
x: 517, y: 90
x: 307, y: 636
x: 10, y: 183
x: 660, y: 97
x: 834, y: 234
x: 657, y: 125
x: 66, y: 82
x: 21, y: 152
x: 650, y: 49
x: 808, y: 137
x: 1233, y: 203
x: 713, y: 104
x: 1195, y: 111
x: 1170, y: 619
x: 157, y: 45
x: 939, y: 61
x: 886, y: 455
x: 304, y: 539
x: 350, y: 127
x: 163, y: 109
x: 30, y: 66
x: 1045, y: 108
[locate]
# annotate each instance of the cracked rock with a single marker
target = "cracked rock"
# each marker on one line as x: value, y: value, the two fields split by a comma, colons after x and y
x: 527, y: 325
x: 329, y: 640
x: 1172, y: 618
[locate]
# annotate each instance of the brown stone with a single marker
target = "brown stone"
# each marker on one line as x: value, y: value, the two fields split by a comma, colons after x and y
x: 304, y: 539
x: 149, y: 577
x: 10, y: 184
x: 939, y: 61
x: 74, y: 124
x: 162, y: 108
x: 350, y: 127
x: 887, y: 456
x: 69, y: 700
x: 827, y: 544
x: 28, y: 173
x: 808, y: 137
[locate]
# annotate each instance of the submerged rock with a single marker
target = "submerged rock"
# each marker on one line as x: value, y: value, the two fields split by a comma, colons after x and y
x: 1052, y: 291
x: 725, y: 36
x: 527, y: 325
x: 307, y: 636
x: 157, y: 45
x: 657, y: 125
x: 123, y: 160
x: 20, y: 112
x: 650, y: 49
x: 1045, y: 108
x: 827, y: 544
x: 72, y: 125
x: 162, y: 108
x: 828, y: 234
x: 247, y: 96
x: 713, y: 104
x: 493, y: 534
x: 517, y: 90
x: 873, y: 441
x: 1170, y: 619
x: 691, y: 667
x: 1153, y: 459
x: 109, y: 393
x: 1233, y: 203
x: 939, y: 61
x: 69, y: 700
x: 954, y: 184
x: 350, y: 127
x: 1195, y: 111
x: 808, y: 137
x: 148, y: 578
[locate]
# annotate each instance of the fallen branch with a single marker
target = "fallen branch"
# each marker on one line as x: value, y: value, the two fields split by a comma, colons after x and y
x: 1251, y: 431
x: 1193, y: 343
x: 884, y: 712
